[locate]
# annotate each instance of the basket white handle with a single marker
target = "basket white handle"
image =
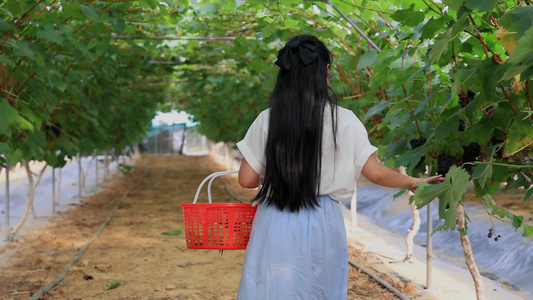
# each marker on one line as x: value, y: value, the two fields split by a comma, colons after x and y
x: 211, y: 178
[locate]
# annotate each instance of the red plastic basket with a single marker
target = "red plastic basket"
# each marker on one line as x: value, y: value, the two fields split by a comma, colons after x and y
x: 223, y: 226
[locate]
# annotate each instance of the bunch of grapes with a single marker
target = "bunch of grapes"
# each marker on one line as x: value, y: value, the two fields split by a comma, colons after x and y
x: 53, y: 128
x: 465, y: 99
x: 415, y: 143
x: 470, y: 154
x: 491, y: 233
x: 444, y: 163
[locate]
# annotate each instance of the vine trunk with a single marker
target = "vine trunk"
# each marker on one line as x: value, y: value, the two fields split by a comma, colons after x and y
x: 469, y: 255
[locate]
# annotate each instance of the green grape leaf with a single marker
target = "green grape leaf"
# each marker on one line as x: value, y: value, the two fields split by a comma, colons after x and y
x: 268, y: 29
x: 72, y: 9
x: 90, y: 12
x: 5, y: 26
x: 292, y: 24
x: 524, y: 48
x: 409, y: 17
x: 410, y: 158
x: 51, y: 159
x: 519, y: 135
x: 13, y: 7
x: 4, y: 59
x: 450, y: 192
x: 482, y: 173
x: 499, y: 211
x: 4, y: 148
x: 396, y: 148
x: 432, y: 26
x: 396, y: 120
x: 15, y: 156
x: 369, y: 59
x: 453, y: 4
x: 520, y: 18
x: 529, y: 195
x: 377, y: 109
x: 48, y: 32
x: 528, y: 230
x: 480, y: 132
x: 512, y: 71
x: 447, y: 127
x: 517, y: 221
x: 426, y: 193
x: 207, y: 8
x: 39, y: 60
x: 22, y: 48
x: 118, y: 24
x: 440, y: 46
x: 460, y: 25
x: 481, y: 5
x: 24, y: 124
x: 152, y: 4
x: 421, y: 108
x: 8, y: 115
x: 527, y: 73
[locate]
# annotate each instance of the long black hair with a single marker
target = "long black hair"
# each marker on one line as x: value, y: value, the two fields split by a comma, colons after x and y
x: 294, y: 143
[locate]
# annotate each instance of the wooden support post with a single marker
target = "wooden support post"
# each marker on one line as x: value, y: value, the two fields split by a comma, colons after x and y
x: 79, y: 176
x: 8, y: 228
x: 53, y: 190
x: 429, y: 249
x: 96, y: 153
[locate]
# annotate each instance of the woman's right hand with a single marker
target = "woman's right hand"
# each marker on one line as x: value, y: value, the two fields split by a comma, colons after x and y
x: 430, y: 180
x: 382, y: 175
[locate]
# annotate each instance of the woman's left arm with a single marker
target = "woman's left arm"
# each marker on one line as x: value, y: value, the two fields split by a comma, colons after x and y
x: 248, y: 178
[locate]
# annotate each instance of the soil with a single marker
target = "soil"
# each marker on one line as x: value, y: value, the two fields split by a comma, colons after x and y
x: 131, y: 258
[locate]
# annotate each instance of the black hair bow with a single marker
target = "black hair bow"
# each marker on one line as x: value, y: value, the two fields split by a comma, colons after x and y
x: 305, y: 50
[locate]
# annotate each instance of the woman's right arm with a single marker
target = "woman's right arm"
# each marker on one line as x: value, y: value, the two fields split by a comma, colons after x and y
x: 377, y: 173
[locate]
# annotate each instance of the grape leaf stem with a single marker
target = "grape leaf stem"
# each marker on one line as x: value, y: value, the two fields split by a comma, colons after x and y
x: 508, y: 100
x: 24, y: 84
x: 28, y: 11
x: 35, y: 14
x: 432, y: 8
x: 96, y: 61
x: 500, y: 164
x: 479, y: 36
x: 339, y: 69
x: 69, y: 67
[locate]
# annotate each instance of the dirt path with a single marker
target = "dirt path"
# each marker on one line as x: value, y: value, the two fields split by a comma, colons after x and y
x: 133, y: 253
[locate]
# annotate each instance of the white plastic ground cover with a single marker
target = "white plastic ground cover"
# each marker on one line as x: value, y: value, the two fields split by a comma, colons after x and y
x: 18, y: 187
x: 509, y: 260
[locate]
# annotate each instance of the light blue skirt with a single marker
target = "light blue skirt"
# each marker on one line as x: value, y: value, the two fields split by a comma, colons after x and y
x: 292, y: 256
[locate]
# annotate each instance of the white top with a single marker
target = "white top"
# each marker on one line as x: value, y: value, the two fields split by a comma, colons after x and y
x: 339, y: 172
